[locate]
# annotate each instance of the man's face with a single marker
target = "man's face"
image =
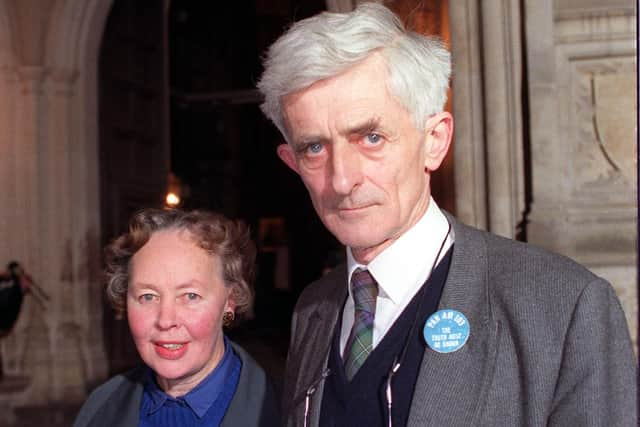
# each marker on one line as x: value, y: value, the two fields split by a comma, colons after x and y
x: 360, y: 156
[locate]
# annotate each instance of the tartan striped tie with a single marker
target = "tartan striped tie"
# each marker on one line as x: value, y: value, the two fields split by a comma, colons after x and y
x: 360, y: 343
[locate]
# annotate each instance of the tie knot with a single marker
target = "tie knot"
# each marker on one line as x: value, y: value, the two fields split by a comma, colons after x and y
x: 364, y: 290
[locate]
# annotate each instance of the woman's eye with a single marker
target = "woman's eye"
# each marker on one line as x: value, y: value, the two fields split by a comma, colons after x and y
x: 146, y: 297
x: 191, y: 296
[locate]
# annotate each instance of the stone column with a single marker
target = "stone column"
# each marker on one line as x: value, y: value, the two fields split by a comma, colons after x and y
x: 69, y: 376
x: 29, y: 343
x: 487, y: 107
x: 9, y: 93
x: 502, y: 63
x: 468, y: 113
x: 81, y: 30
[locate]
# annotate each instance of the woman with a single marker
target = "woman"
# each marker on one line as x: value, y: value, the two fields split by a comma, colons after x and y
x: 180, y: 277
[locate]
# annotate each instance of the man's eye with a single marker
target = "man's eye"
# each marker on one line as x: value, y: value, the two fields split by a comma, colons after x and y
x: 312, y: 155
x: 373, y: 138
x: 314, y: 148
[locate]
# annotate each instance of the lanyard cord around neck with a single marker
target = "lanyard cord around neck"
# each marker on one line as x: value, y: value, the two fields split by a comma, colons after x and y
x: 399, y: 359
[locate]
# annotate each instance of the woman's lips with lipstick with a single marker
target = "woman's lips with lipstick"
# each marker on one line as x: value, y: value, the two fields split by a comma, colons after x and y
x: 170, y: 350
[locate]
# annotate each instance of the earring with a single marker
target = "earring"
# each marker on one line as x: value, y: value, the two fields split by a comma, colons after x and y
x: 227, y: 318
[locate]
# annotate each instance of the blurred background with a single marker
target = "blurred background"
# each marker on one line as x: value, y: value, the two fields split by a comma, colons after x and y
x: 108, y: 106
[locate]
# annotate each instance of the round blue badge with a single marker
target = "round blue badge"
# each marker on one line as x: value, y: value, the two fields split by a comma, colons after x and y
x: 446, y: 331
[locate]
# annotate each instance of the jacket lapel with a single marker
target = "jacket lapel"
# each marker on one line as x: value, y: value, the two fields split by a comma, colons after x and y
x: 317, y: 334
x: 450, y: 387
x: 123, y: 407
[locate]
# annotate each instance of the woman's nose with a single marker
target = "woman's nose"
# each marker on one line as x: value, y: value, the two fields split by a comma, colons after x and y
x: 167, y: 315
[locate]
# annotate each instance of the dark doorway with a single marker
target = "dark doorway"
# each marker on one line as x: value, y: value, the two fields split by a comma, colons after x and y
x: 223, y: 153
x: 134, y: 140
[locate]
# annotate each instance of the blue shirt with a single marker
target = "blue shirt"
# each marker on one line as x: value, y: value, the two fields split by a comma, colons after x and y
x: 205, y: 404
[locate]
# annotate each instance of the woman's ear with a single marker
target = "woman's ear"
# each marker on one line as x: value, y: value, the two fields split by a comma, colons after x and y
x: 438, y: 134
x: 230, y: 305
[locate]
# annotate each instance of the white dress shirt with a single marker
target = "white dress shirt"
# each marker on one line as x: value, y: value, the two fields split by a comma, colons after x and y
x: 400, y: 270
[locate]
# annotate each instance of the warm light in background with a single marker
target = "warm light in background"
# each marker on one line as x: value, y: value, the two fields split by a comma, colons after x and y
x: 172, y: 200
x: 177, y: 193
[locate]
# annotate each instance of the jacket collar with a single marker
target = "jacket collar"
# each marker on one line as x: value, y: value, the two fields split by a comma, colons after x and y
x: 326, y: 313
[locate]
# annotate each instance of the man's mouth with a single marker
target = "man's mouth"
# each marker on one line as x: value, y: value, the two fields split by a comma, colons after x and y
x: 354, y: 209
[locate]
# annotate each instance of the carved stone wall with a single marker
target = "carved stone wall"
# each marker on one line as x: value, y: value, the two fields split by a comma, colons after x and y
x: 582, y: 84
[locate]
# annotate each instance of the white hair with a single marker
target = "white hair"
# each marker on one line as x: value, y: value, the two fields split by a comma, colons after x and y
x: 328, y: 44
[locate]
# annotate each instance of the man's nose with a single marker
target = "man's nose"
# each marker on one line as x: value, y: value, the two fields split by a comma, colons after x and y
x: 167, y: 315
x: 346, y: 168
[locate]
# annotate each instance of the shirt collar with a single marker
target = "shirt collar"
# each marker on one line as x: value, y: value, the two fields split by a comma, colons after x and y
x: 407, y: 262
x: 202, y: 396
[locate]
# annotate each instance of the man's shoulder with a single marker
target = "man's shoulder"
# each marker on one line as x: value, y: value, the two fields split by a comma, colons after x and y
x: 510, y: 253
x: 327, y: 289
x: 527, y: 259
x: 527, y: 270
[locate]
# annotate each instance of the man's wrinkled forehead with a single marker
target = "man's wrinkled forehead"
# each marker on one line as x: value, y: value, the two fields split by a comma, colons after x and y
x: 362, y: 84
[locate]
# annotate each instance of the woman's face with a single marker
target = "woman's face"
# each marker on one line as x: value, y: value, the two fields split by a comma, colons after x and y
x: 175, y: 303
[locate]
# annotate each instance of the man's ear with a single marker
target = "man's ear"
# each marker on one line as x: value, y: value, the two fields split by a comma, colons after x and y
x: 439, y: 131
x: 286, y: 154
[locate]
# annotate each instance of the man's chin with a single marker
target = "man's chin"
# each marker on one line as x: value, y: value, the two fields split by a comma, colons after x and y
x: 354, y: 239
x: 362, y: 243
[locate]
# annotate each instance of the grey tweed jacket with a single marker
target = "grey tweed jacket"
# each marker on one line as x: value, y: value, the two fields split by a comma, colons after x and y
x: 549, y: 344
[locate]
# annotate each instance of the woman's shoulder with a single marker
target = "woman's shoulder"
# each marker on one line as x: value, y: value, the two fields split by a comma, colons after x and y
x: 118, y: 385
x: 130, y: 378
x: 255, y: 401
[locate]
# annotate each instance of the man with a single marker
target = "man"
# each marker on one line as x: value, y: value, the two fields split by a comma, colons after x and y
x: 430, y: 322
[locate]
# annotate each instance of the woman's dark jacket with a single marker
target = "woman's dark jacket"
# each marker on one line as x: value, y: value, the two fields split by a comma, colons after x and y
x: 116, y: 403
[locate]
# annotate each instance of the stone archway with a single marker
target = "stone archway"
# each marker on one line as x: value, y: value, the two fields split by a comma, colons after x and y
x: 49, y: 191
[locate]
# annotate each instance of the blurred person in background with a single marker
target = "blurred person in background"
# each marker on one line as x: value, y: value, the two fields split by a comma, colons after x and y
x: 14, y: 284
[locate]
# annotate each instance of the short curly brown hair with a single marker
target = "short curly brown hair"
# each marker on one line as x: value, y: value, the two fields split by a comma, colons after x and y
x: 229, y: 240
